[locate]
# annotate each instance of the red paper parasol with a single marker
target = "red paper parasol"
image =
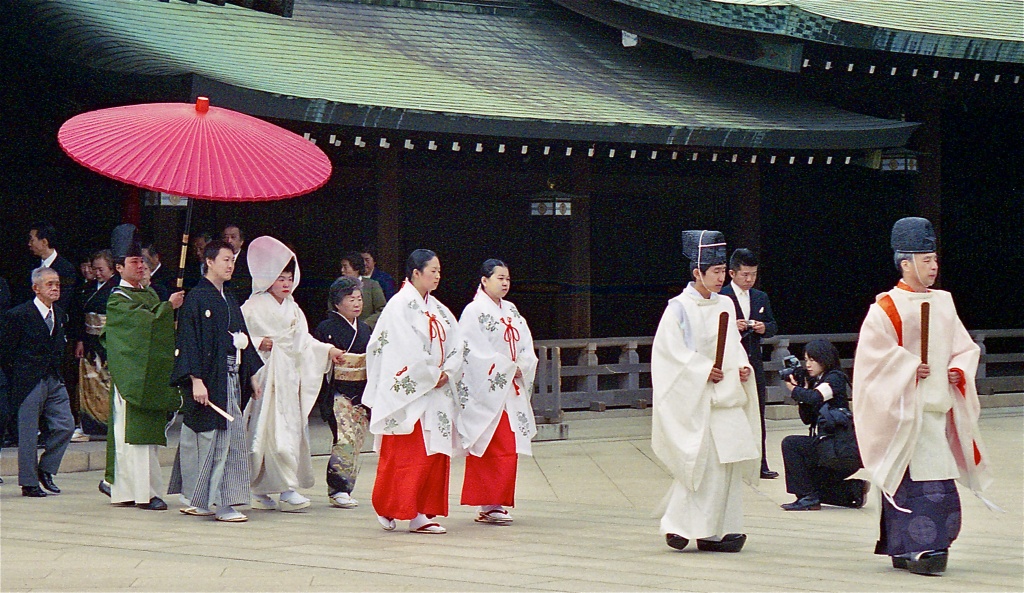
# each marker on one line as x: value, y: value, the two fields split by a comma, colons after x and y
x: 197, y: 151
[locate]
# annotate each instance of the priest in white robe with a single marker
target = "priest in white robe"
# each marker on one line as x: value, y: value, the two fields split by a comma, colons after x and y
x: 413, y: 369
x: 294, y: 364
x: 496, y: 419
x: 916, y: 407
x: 706, y: 424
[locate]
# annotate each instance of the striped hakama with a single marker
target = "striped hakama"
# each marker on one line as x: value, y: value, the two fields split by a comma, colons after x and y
x: 212, y: 467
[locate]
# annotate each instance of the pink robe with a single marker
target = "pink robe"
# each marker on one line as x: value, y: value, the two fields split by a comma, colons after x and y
x: 930, y: 426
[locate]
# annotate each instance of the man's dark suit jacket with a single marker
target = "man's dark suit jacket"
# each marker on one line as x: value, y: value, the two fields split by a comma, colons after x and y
x: 164, y: 282
x: 760, y: 310
x: 28, y: 351
x: 68, y: 281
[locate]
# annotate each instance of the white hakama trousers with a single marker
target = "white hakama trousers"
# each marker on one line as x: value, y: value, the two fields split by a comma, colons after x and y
x: 137, y: 476
x: 713, y: 510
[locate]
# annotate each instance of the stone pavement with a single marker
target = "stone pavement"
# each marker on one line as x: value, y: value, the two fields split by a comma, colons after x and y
x: 583, y: 522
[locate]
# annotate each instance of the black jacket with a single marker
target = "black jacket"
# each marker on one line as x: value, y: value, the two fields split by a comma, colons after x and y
x: 810, y: 399
x: 760, y: 310
x: 28, y: 351
x: 203, y: 343
x: 164, y: 281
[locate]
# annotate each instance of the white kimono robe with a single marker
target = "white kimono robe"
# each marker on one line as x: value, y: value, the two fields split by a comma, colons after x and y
x: 495, y: 343
x: 277, y: 424
x: 413, y: 342
x: 707, y: 434
x: 930, y: 425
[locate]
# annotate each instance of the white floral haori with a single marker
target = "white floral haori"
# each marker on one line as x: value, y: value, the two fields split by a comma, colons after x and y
x: 413, y: 342
x: 496, y: 342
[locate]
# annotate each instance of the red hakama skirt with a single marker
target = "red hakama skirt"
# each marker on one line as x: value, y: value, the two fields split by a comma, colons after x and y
x: 408, y: 480
x: 491, y: 479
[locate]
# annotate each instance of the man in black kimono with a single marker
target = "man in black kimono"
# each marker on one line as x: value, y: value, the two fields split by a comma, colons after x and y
x: 214, y: 364
x: 755, y: 321
x: 32, y: 350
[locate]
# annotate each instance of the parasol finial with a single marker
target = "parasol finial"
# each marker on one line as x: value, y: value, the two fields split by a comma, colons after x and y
x: 202, y: 104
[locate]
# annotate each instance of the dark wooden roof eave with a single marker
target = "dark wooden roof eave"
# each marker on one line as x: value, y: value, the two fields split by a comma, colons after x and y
x: 319, y: 111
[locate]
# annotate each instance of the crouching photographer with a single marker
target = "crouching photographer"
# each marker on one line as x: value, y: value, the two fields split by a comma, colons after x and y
x: 818, y: 465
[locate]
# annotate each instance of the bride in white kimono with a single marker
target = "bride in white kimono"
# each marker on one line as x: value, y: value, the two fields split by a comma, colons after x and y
x: 496, y: 421
x: 294, y: 365
x: 412, y: 370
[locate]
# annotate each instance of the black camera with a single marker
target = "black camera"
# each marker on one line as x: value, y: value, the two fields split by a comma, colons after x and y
x: 792, y: 367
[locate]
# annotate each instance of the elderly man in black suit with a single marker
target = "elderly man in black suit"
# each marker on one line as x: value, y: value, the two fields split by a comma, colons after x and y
x: 31, y: 351
x: 756, y: 322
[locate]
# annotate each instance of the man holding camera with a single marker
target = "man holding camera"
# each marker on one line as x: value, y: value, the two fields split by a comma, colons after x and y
x: 917, y: 407
x: 755, y: 321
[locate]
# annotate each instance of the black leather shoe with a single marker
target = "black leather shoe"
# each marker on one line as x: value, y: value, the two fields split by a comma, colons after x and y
x: 33, y: 492
x: 46, y: 481
x: 104, y: 488
x: 899, y: 562
x: 676, y: 542
x: 769, y: 474
x: 155, y: 504
x: 862, y: 496
x: 807, y: 503
x: 732, y: 542
x: 931, y: 562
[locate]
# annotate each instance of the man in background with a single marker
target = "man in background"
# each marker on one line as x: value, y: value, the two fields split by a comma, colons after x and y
x: 42, y: 242
x: 241, y: 280
x: 161, y: 279
x: 387, y: 283
x: 755, y: 321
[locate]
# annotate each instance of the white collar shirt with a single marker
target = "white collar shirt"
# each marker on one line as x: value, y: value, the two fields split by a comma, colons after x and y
x: 48, y: 262
x: 44, y: 310
x: 743, y: 297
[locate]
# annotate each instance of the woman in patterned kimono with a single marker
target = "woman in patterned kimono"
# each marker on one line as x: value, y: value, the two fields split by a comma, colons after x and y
x: 413, y: 369
x: 344, y: 389
x: 499, y: 368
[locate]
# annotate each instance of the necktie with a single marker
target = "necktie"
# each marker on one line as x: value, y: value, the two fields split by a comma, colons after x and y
x: 49, y: 320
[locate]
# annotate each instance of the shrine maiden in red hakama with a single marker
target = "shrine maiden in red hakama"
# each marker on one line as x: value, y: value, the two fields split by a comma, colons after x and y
x: 412, y: 369
x: 496, y: 419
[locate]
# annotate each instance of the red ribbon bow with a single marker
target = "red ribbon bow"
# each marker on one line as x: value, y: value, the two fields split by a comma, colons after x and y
x: 511, y: 336
x: 437, y: 331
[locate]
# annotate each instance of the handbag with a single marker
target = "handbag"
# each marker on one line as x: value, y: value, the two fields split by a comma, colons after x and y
x: 836, y: 441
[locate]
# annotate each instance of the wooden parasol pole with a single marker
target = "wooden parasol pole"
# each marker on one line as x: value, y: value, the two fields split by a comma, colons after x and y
x: 184, y: 244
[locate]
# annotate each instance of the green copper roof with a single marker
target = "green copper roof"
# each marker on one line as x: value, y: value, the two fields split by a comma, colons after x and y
x: 553, y: 75
x: 990, y: 30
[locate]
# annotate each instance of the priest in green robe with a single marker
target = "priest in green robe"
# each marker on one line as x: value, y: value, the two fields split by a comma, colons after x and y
x: 139, y: 339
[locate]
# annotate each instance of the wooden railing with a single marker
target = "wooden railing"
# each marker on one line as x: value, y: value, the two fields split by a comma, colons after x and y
x: 616, y: 372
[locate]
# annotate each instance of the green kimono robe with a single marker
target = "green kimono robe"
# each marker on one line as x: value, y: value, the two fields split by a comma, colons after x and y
x: 139, y: 339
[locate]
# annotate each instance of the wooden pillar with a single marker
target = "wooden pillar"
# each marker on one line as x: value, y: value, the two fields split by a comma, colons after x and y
x: 389, y: 217
x: 929, y: 178
x: 131, y: 207
x: 581, y: 172
x: 745, y: 210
